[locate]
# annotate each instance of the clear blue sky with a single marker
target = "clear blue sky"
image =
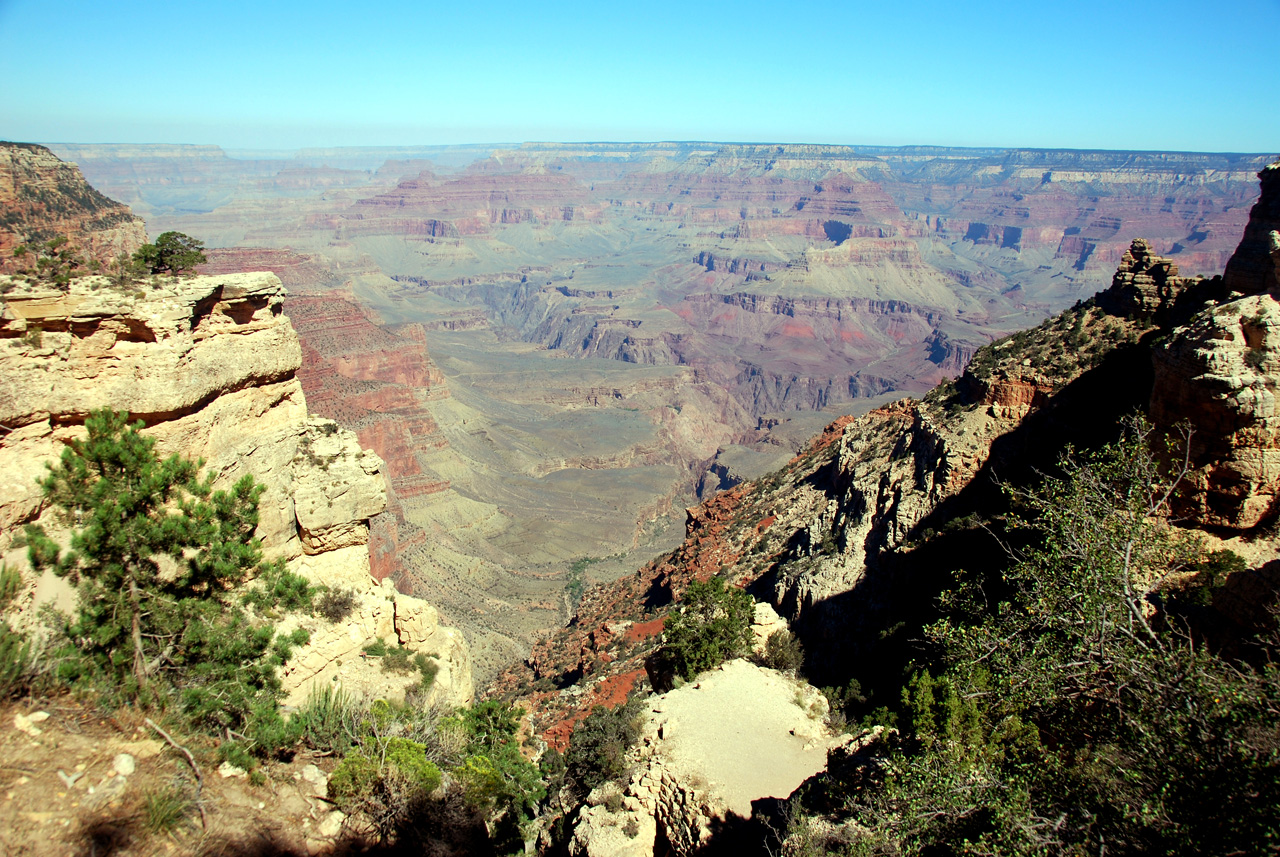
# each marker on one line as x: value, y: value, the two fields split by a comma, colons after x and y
x: 1171, y: 75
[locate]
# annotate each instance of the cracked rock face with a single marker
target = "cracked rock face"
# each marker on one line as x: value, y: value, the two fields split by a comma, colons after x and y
x: 1219, y: 374
x: 334, y: 656
x: 209, y: 364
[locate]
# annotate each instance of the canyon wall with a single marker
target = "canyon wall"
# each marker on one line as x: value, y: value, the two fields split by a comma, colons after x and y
x: 1218, y: 372
x: 209, y: 364
x: 43, y: 198
x: 852, y: 538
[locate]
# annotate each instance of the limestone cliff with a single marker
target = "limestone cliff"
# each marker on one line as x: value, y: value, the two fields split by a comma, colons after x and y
x: 1219, y: 373
x: 209, y: 364
x: 42, y: 197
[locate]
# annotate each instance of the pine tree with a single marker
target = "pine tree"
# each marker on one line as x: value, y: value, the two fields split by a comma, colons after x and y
x: 154, y: 552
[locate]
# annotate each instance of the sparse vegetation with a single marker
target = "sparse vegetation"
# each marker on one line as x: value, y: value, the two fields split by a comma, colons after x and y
x: 400, y: 659
x: 712, y: 625
x: 172, y: 253
x: 1065, y: 716
x: 279, y: 588
x: 165, y: 809
x: 1058, y: 350
x: 335, y: 604
x: 598, y: 747
x: 783, y: 651
x: 55, y: 261
x: 386, y: 784
x: 15, y: 647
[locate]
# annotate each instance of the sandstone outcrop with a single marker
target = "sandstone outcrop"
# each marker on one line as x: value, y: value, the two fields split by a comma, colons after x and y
x: 335, y: 654
x: 691, y: 772
x: 1144, y: 283
x: 43, y: 197
x: 1218, y: 372
x: 209, y: 364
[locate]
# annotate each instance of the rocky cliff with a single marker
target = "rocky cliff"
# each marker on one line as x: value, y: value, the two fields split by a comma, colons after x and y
x: 210, y: 365
x: 1219, y: 373
x: 851, y: 538
x: 42, y: 197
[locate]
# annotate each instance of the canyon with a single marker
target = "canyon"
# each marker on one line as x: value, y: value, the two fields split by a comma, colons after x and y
x: 851, y: 541
x: 555, y: 348
x: 542, y: 416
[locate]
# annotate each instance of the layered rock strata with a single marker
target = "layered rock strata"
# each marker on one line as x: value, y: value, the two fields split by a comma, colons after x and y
x: 852, y: 528
x: 826, y: 538
x: 1218, y: 373
x: 43, y: 197
x: 209, y: 364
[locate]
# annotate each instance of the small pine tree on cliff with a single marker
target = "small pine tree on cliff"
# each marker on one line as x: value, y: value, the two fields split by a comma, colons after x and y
x: 173, y: 253
x: 154, y: 553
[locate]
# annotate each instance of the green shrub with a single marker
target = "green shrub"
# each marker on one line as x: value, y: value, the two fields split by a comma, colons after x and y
x: 598, y: 746
x: 386, y: 786
x: 16, y: 663
x: 172, y: 253
x: 10, y: 585
x: 427, y: 670
x: 712, y: 626
x: 278, y: 587
x: 164, y: 809
x: 497, y: 779
x: 146, y: 635
x: 783, y: 651
x: 56, y: 262
x: 352, y: 781
x: 397, y: 660
x: 328, y: 719
x: 335, y: 604
x: 409, y: 760
x: 1065, y: 717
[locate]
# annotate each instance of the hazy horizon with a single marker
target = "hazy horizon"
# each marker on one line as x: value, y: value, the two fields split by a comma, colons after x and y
x: 1136, y: 76
x: 286, y: 152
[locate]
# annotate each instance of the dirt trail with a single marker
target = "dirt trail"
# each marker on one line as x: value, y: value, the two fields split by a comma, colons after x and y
x: 749, y: 732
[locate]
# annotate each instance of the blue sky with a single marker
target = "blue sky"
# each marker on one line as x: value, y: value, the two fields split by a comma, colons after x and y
x: 1144, y: 75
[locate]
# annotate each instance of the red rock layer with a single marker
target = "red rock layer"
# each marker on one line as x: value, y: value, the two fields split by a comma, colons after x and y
x: 374, y: 380
x: 1088, y: 231
x: 295, y: 270
x: 472, y: 204
x: 43, y: 197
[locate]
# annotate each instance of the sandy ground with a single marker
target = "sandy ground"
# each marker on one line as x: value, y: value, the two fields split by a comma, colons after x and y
x: 749, y: 732
x: 67, y: 791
